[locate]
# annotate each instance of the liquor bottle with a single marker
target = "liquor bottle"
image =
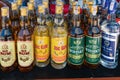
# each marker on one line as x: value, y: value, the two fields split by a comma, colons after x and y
x: 32, y: 20
x: 93, y: 42
x: 49, y: 19
x: 15, y: 19
x: 59, y: 40
x: 7, y: 43
x: 41, y: 37
x: 110, y: 39
x: 25, y: 51
x: 76, y: 41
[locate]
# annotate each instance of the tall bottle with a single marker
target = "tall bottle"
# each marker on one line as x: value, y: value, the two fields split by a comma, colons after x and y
x: 110, y: 40
x: 93, y: 42
x: 76, y: 41
x: 41, y: 39
x: 59, y: 40
x: 15, y: 19
x: 7, y: 43
x: 32, y: 20
x: 25, y: 51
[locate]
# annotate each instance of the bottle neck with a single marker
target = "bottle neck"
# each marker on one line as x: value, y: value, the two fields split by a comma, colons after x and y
x: 94, y: 21
x: 76, y: 20
x: 41, y: 19
x: 112, y: 17
x: 24, y: 22
x: 59, y: 19
x: 5, y: 21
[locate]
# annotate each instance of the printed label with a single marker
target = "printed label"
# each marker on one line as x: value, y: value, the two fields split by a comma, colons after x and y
x: 7, y: 53
x: 76, y: 50
x: 59, y: 49
x: 93, y: 49
x: 25, y: 53
x: 112, y: 5
x: 41, y: 48
x: 109, y: 46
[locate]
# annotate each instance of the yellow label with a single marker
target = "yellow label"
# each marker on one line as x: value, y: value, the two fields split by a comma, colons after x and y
x: 30, y: 6
x: 14, y: 6
x: 45, y: 3
x: 41, y: 9
x: 7, y: 53
x: 59, y: 9
x: 59, y: 49
x: 41, y: 48
x: 5, y: 11
x: 25, y: 53
x: 23, y: 11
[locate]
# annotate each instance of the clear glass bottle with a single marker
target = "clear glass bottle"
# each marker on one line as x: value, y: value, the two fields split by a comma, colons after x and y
x: 59, y: 40
x: 32, y: 20
x: 25, y: 51
x: 15, y: 22
x: 93, y: 42
x: 41, y: 39
x: 76, y: 41
x: 7, y: 43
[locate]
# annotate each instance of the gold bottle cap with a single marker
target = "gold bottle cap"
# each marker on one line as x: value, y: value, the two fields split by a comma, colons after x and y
x: 19, y: 2
x: 5, y: 11
x: 45, y: 3
x: 30, y: 6
x: 59, y: 9
x: 76, y: 10
x: 59, y: 2
x: 41, y: 9
x: 14, y: 5
x: 32, y: 1
x: 23, y: 11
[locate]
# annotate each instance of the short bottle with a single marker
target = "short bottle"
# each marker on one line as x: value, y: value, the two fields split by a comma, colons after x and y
x: 93, y: 42
x: 76, y: 41
x: 110, y: 40
x: 7, y: 43
x: 41, y: 37
x: 25, y: 51
x: 59, y: 40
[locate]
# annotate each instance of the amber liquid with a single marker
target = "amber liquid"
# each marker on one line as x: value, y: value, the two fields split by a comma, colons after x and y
x: 25, y: 35
x: 7, y: 35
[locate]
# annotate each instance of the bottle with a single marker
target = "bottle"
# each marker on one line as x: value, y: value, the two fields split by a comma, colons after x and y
x: 110, y: 40
x: 93, y: 42
x: 76, y: 41
x: 32, y: 20
x: 49, y: 19
x: 59, y: 40
x: 15, y: 19
x: 41, y: 37
x: 7, y: 43
x: 25, y: 51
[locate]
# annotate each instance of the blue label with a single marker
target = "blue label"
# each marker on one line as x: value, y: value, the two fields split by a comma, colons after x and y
x: 109, y: 47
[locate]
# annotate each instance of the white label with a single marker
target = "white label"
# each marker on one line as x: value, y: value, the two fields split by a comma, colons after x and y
x: 7, y: 53
x: 111, y: 5
x: 25, y: 53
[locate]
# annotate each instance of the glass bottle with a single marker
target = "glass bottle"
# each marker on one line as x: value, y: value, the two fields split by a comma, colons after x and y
x: 32, y: 20
x: 110, y: 39
x: 7, y: 43
x: 93, y: 42
x: 59, y: 40
x: 15, y: 19
x: 41, y: 39
x: 25, y: 51
x: 76, y: 41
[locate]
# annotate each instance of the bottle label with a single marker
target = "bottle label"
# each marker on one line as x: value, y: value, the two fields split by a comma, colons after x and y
x: 59, y: 49
x: 41, y: 48
x: 25, y: 53
x: 109, y: 46
x: 76, y: 50
x: 7, y: 53
x: 93, y: 49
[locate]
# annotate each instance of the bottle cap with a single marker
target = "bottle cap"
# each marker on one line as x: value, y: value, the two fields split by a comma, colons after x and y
x: 59, y: 9
x: 14, y: 5
x: 76, y: 10
x: 94, y: 10
x: 30, y: 6
x: 41, y: 9
x: 23, y: 11
x: 19, y: 2
x: 32, y: 1
x: 5, y: 11
x: 45, y: 3
x: 59, y: 2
